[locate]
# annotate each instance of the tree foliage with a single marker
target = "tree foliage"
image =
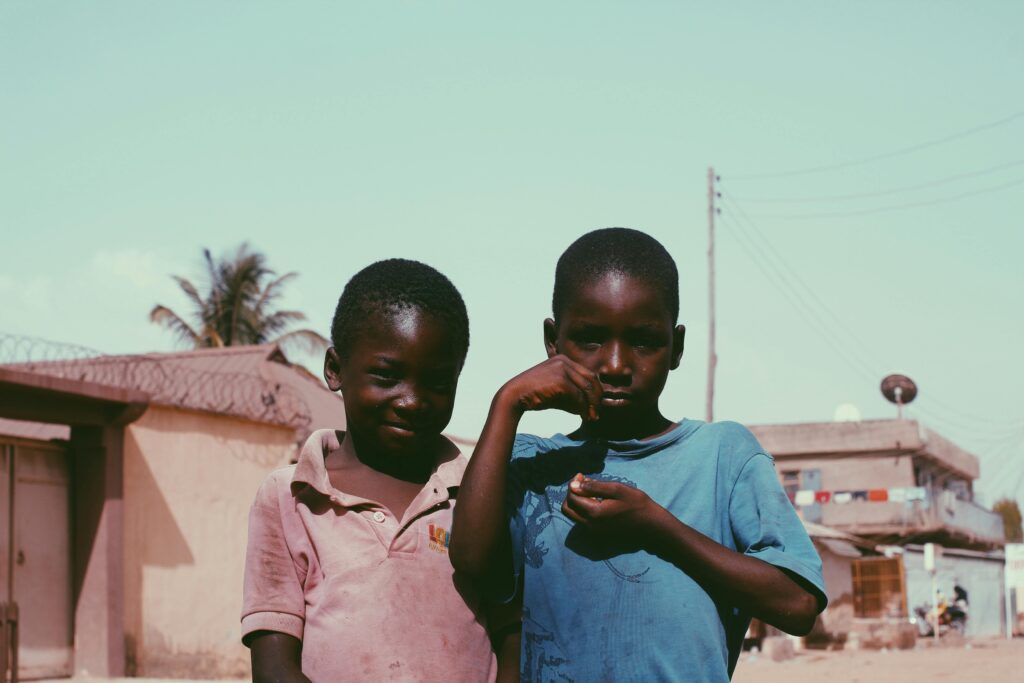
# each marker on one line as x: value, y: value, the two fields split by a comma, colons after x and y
x: 1010, y: 512
x: 236, y: 306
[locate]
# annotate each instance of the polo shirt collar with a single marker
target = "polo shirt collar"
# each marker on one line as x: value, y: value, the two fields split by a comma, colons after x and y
x: 311, y: 471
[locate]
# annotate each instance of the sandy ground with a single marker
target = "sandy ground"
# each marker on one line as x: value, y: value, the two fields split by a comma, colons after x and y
x: 980, y: 661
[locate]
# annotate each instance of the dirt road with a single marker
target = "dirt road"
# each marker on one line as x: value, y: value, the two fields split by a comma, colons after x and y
x: 982, y: 661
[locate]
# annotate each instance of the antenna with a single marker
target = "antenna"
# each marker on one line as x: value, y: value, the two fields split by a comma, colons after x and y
x: 899, y: 389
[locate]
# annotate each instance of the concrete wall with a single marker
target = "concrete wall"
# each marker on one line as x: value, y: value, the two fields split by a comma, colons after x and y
x: 982, y: 578
x: 866, y: 472
x: 189, y: 479
x: 837, y: 618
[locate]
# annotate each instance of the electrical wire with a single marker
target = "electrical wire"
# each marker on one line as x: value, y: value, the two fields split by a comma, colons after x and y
x: 887, y: 155
x: 895, y: 207
x: 799, y: 304
x: 885, y: 193
x: 780, y: 264
x: 810, y: 307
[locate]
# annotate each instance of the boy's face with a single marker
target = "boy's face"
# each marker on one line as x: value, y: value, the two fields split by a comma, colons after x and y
x: 398, y: 380
x: 621, y: 328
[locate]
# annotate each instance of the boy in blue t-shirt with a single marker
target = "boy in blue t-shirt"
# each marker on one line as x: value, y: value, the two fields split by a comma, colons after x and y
x: 642, y: 546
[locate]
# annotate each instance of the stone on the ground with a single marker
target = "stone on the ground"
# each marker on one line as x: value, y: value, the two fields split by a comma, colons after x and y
x: 778, y: 648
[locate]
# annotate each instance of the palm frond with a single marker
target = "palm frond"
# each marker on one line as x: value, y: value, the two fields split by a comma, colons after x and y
x: 272, y: 291
x: 241, y: 283
x: 276, y: 322
x: 168, y: 319
x: 305, y: 340
x: 190, y: 291
x: 238, y: 306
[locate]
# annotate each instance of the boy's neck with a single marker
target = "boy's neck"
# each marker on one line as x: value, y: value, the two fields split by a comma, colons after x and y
x: 411, y: 469
x: 627, y: 428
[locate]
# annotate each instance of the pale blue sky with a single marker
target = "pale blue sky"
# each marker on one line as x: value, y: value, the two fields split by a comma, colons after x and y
x: 483, y: 140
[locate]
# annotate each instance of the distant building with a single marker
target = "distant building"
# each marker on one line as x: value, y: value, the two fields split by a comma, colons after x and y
x: 130, y: 480
x: 899, y: 484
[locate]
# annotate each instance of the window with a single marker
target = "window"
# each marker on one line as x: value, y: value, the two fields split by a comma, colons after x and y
x: 879, y: 587
x: 791, y: 482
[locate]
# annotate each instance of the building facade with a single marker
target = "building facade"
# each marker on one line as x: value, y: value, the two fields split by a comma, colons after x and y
x: 124, y: 495
x: 898, y: 485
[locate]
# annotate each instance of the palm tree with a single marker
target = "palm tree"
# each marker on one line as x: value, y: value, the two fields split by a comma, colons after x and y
x: 238, y: 308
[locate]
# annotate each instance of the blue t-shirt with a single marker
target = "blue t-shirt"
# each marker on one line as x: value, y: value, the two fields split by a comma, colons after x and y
x: 594, y: 612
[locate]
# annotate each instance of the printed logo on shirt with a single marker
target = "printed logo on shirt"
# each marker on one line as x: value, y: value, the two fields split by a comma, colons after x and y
x: 439, y: 538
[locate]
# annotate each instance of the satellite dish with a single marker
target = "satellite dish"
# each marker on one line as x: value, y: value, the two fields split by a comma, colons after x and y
x: 899, y: 389
x: 847, y: 412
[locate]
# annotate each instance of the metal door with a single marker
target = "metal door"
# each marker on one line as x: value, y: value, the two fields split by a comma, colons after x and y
x: 35, y: 546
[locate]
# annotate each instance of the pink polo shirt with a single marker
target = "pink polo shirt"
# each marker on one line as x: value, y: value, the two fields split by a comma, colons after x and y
x: 371, y: 597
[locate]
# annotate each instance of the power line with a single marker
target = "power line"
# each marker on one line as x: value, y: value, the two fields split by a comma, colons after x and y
x: 765, y: 256
x: 799, y: 304
x: 887, y: 155
x: 769, y: 249
x: 884, y: 193
x: 938, y: 407
x: 895, y: 207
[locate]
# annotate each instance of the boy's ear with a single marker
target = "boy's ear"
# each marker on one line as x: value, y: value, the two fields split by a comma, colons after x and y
x: 678, y: 336
x: 332, y: 369
x: 550, y: 337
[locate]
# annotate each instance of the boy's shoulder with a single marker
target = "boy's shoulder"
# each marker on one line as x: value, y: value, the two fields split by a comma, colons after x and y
x: 277, y: 480
x: 526, y: 445
x: 452, y: 467
x: 734, y: 445
x: 734, y: 437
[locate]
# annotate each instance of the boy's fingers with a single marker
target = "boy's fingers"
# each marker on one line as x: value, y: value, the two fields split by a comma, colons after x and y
x: 589, y: 392
x: 595, y: 488
x: 583, y: 507
x: 570, y: 513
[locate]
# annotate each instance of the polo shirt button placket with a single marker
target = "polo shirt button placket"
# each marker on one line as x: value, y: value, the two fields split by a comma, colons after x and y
x: 379, y: 517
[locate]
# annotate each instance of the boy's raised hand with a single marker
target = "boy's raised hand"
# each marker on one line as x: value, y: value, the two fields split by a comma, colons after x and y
x: 613, y: 509
x: 558, y: 383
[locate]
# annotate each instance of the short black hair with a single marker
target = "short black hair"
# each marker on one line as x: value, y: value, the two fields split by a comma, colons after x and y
x: 616, y: 250
x: 393, y: 285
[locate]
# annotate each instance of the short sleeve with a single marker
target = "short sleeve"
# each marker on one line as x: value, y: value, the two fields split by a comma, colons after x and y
x: 765, y: 525
x: 273, y: 598
x: 523, y: 448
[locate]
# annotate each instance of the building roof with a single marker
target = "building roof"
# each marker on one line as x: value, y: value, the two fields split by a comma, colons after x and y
x: 252, y: 382
x: 869, y: 437
x: 39, y: 431
x: 839, y: 542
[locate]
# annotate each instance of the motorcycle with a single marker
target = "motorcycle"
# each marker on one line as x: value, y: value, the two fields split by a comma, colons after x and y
x: 950, y: 618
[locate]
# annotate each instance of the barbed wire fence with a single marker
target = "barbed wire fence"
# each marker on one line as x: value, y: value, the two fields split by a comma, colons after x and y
x: 167, y: 379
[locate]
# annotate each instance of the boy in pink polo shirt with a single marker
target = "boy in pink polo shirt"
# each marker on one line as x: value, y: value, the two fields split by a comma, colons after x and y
x: 347, y: 574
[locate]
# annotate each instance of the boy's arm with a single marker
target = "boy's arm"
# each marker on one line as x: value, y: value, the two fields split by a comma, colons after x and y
x: 505, y: 626
x: 764, y: 590
x: 276, y: 658
x: 273, y: 602
x: 479, y: 529
x: 508, y: 658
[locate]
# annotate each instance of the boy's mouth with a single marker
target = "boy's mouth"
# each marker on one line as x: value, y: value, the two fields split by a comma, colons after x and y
x: 402, y: 428
x: 615, y: 398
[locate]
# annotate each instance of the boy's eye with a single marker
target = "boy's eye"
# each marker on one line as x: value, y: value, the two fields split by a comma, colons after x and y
x: 441, y: 383
x: 647, y: 341
x: 587, y: 339
x: 384, y: 374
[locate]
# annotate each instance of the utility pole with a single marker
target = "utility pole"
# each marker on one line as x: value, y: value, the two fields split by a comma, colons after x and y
x: 709, y: 412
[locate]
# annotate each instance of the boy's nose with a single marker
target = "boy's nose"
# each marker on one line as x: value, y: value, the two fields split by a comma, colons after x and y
x: 615, y: 363
x: 410, y: 403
